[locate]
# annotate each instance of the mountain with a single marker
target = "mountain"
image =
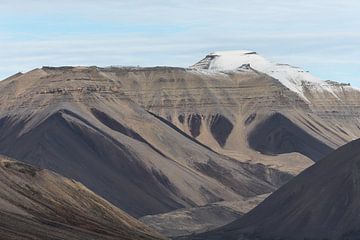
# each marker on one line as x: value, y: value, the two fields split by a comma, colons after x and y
x: 154, y: 140
x: 302, y: 114
x: 82, y: 123
x: 40, y: 204
x: 320, y: 203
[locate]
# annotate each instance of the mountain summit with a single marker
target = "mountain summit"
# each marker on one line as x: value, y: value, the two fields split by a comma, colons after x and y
x: 293, y: 78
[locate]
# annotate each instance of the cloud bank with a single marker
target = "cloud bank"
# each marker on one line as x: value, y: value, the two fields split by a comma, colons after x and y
x: 320, y: 36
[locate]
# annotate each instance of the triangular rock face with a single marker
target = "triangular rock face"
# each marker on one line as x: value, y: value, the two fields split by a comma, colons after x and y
x: 40, y: 204
x: 277, y: 134
x: 320, y: 203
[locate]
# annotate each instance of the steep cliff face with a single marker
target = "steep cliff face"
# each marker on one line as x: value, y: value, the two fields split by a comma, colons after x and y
x: 152, y: 140
x: 39, y: 204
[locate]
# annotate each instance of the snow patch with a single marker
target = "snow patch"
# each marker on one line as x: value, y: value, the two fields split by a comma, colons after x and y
x: 294, y: 78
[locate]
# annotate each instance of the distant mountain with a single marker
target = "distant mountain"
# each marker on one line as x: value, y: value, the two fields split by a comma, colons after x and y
x: 320, y: 203
x: 39, y: 204
x: 154, y: 140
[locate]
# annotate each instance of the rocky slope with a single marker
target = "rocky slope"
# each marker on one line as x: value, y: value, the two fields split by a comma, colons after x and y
x: 237, y: 110
x: 39, y: 204
x: 153, y: 140
x: 185, y: 222
x: 81, y: 123
x: 320, y: 203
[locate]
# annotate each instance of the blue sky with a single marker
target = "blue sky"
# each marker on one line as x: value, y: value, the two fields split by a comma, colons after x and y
x: 320, y: 36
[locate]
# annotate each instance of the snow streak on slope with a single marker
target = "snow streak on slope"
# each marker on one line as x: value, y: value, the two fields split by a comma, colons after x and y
x: 293, y: 78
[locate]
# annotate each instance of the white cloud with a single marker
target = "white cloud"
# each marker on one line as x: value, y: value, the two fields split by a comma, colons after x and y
x: 158, y: 32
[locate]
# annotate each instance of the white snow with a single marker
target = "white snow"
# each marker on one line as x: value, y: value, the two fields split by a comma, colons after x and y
x: 291, y: 77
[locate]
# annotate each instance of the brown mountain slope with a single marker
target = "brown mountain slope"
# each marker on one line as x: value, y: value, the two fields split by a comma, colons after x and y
x: 226, y: 111
x: 80, y: 123
x: 39, y: 204
x: 320, y: 203
x: 152, y: 140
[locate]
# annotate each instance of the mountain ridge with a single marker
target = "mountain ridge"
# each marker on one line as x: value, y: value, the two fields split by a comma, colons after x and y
x: 153, y: 140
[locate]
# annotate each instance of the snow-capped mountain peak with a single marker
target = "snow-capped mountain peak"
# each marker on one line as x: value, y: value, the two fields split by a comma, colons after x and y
x: 291, y: 77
